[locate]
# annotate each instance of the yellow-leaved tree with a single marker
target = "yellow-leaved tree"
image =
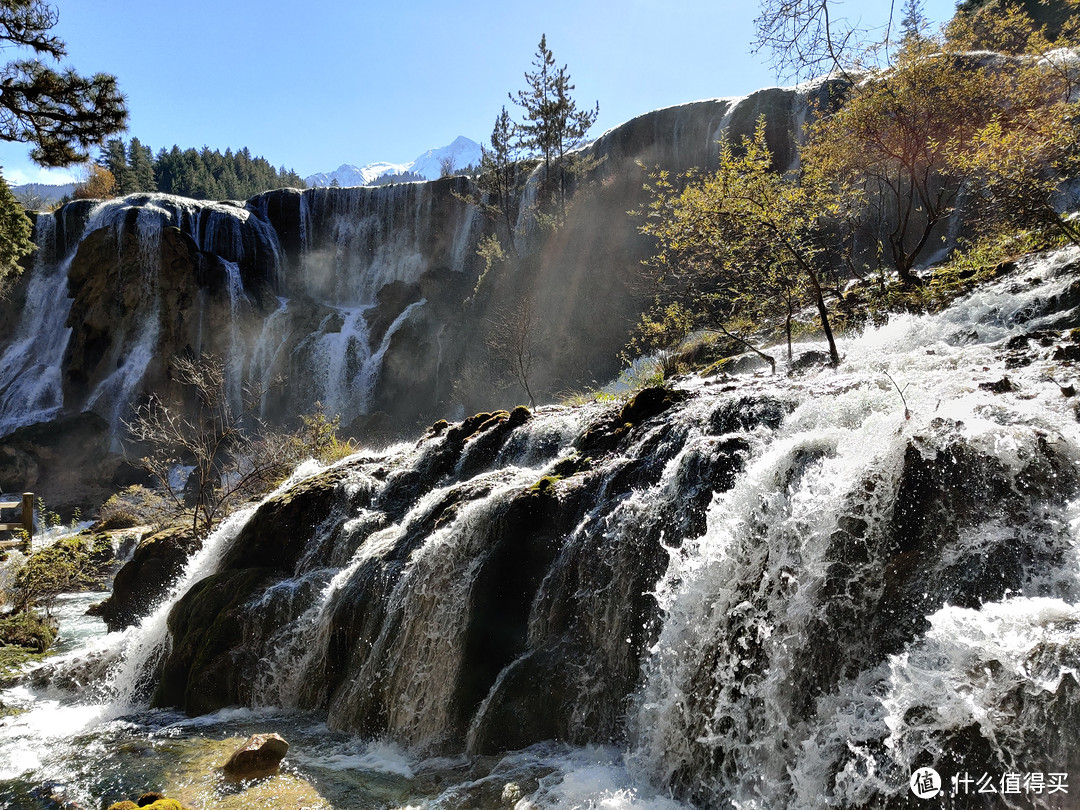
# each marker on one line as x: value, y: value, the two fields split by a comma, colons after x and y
x: 737, y: 245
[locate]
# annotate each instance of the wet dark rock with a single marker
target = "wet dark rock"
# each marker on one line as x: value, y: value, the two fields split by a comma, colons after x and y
x: 208, y: 665
x: 276, y: 534
x: 145, y: 579
x: 809, y: 360
x: 965, y: 337
x: 392, y: 299
x: 525, y: 540
x: 606, y: 435
x: 256, y: 758
x: 1002, y: 386
x: 532, y: 702
x: 74, y: 676
x: 1069, y: 352
x: 649, y: 402
x: 747, y: 413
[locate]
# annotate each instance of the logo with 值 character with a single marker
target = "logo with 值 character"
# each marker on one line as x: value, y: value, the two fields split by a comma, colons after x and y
x: 925, y: 783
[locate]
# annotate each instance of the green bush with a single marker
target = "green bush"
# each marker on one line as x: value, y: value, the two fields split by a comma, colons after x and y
x: 66, y: 565
x: 136, y: 506
x: 28, y: 630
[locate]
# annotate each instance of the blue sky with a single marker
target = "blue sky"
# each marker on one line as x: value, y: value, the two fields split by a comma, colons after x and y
x: 311, y: 86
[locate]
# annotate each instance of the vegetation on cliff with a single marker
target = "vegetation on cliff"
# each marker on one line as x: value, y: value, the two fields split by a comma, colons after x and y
x: 551, y: 128
x: 229, y: 454
x: 945, y: 151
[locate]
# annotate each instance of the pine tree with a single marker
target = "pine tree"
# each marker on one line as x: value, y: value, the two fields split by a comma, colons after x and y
x: 113, y: 158
x: 140, y: 162
x: 553, y: 124
x: 913, y: 23
x: 15, y: 234
x: 498, y: 171
x: 62, y: 114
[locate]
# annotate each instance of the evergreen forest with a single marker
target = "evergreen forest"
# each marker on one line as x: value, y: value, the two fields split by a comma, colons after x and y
x: 202, y: 174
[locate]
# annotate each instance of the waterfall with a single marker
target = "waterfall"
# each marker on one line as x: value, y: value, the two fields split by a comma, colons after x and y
x: 745, y: 592
x: 141, y: 649
x: 839, y: 600
x: 30, y: 366
x: 789, y: 584
x: 357, y: 240
x: 160, y: 275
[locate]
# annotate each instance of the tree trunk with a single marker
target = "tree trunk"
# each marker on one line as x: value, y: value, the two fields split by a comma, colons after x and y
x: 834, y: 356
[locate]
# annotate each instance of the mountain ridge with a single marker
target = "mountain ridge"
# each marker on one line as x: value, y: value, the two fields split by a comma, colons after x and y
x: 459, y: 154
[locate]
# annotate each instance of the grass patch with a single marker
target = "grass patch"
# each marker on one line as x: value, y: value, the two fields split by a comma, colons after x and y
x: 12, y: 659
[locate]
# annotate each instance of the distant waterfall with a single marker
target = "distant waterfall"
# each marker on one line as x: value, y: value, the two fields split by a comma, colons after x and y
x: 31, y: 366
x: 225, y: 267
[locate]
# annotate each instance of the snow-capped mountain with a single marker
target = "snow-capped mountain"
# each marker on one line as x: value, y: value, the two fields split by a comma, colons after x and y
x: 461, y: 153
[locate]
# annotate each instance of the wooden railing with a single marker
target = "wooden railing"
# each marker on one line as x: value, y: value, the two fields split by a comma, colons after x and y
x: 26, y: 524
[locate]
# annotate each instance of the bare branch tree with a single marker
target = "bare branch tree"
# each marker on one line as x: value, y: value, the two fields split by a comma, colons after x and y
x: 511, y: 343
x: 807, y: 38
x: 218, y: 439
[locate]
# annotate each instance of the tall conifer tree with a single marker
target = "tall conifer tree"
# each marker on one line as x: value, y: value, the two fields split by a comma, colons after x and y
x: 141, y: 167
x: 553, y: 124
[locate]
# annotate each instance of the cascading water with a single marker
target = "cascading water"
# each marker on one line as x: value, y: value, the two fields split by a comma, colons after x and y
x: 803, y: 609
x: 112, y: 397
x: 358, y: 240
x: 30, y: 366
x: 156, y: 276
x: 341, y: 362
x: 750, y: 593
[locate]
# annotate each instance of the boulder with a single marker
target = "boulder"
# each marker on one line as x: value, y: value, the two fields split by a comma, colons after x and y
x: 258, y: 757
x: 66, y: 462
x: 146, y: 577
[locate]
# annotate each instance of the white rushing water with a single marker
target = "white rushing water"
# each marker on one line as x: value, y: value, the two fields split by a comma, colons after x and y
x: 761, y: 574
x: 30, y: 368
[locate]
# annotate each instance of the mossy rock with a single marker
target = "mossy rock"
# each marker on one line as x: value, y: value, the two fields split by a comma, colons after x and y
x: 275, y: 535
x: 29, y: 631
x: 571, y: 465
x: 605, y: 436
x: 12, y: 659
x: 649, y: 402
x: 149, y: 801
x: 477, y: 423
x: 205, y: 669
x: 545, y: 487
x: 564, y: 468
x: 163, y: 804
x: 519, y: 416
x: 145, y: 579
